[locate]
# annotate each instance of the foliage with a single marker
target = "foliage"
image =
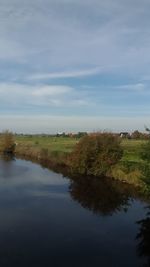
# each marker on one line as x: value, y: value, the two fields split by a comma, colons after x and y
x: 145, y: 153
x: 44, y: 153
x: 136, y: 135
x: 7, y: 142
x: 128, y: 172
x: 81, y: 134
x: 59, y: 150
x: 145, y: 156
x: 95, y: 154
x: 146, y: 173
x: 132, y: 150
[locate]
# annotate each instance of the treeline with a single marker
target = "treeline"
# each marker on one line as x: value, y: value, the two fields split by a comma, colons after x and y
x: 134, y: 135
x: 139, y: 135
x: 63, y: 134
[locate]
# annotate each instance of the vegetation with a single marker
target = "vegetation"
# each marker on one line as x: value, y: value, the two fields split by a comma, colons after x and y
x: 52, y: 143
x: 145, y: 168
x: 138, y: 135
x: 124, y: 159
x: 7, y: 143
x: 50, y: 151
x: 95, y: 154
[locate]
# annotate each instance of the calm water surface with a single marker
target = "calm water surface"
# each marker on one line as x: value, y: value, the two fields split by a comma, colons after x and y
x: 48, y: 220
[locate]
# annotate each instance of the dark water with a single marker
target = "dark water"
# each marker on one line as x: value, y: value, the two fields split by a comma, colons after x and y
x: 48, y: 220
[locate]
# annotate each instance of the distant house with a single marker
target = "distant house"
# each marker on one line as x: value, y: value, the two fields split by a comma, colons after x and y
x: 124, y: 135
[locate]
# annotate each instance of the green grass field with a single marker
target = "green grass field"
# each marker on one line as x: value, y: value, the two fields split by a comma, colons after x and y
x: 61, y: 145
x: 53, y: 144
x: 132, y: 149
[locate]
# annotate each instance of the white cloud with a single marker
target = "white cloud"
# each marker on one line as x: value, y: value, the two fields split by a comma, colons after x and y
x: 139, y: 87
x: 52, y: 35
x: 21, y: 96
x: 52, y: 90
x: 47, y: 39
x: 65, y: 74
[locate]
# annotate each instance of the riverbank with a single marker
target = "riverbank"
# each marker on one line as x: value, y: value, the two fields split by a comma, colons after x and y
x: 53, y: 152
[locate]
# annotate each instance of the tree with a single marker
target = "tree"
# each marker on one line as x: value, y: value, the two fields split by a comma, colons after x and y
x: 136, y: 135
x: 95, y: 154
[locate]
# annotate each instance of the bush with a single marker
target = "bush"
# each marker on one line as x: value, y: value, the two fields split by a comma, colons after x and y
x: 145, y: 155
x: 145, y: 151
x: 8, y: 144
x: 146, y: 173
x: 95, y: 154
x: 36, y: 142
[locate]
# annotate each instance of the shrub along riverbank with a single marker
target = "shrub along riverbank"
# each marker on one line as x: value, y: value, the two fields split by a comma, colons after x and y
x: 98, y: 155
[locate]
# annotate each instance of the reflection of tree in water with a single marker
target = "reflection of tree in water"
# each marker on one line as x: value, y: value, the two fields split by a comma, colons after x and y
x: 7, y: 157
x: 144, y: 239
x: 102, y: 196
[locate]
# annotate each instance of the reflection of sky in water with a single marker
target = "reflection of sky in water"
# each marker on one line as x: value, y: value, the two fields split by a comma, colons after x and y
x: 41, y: 225
x: 29, y: 177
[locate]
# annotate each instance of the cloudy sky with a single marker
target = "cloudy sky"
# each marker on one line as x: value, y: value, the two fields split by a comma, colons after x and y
x: 74, y: 65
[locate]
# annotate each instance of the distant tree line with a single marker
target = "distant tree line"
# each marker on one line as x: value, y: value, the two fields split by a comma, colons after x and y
x: 139, y: 135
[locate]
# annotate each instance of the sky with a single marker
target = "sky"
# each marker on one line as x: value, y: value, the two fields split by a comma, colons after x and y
x: 74, y: 65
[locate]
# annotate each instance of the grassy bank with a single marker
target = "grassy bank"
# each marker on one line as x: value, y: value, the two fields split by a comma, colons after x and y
x: 132, y: 149
x: 60, y: 145
x: 53, y: 152
x: 49, y: 151
x: 130, y: 166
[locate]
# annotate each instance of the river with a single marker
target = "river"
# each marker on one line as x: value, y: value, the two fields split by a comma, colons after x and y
x: 50, y: 220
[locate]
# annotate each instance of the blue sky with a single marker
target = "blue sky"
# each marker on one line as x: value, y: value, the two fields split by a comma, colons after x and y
x: 70, y: 65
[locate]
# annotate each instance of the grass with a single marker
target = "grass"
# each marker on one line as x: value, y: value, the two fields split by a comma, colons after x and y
x: 53, y: 144
x: 132, y: 149
x: 60, y: 145
x: 49, y: 151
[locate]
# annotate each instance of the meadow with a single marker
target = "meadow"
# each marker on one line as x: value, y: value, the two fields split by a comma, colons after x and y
x: 132, y: 149
x: 53, y: 144
x: 60, y: 145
